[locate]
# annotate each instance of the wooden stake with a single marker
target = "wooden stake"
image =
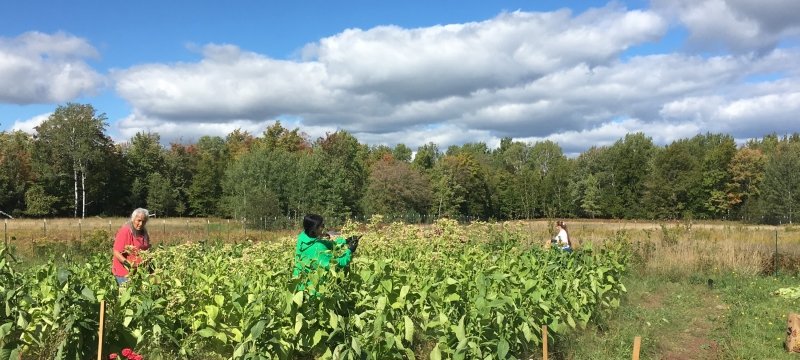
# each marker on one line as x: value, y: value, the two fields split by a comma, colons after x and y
x: 544, y: 342
x: 100, y: 332
x: 637, y: 343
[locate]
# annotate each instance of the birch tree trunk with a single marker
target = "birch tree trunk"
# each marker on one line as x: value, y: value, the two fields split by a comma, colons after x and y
x: 83, y: 191
x: 75, y: 180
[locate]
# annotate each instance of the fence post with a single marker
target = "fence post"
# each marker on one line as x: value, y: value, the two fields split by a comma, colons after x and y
x: 544, y: 342
x: 775, y: 258
x: 208, y: 228
x: 100, y: 331
x: 5, y: 232
x: 44, y: 221
x: 637, y: 344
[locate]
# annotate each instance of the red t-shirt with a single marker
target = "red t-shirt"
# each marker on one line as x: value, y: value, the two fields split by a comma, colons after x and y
x: 129, y: 245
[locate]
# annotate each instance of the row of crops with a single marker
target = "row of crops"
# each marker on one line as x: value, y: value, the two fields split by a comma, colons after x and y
x: 442, y: 291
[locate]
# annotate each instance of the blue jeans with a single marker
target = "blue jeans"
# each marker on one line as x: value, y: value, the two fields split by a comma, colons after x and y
x: 121, y: 279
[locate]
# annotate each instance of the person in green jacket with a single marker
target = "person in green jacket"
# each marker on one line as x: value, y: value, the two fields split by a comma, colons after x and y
x: 315, y: 249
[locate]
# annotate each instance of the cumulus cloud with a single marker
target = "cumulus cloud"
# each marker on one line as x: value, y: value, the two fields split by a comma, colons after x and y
x: 737, y: 25
x: 45, y: 68
x: 533, y: 76
x: 29, y: 125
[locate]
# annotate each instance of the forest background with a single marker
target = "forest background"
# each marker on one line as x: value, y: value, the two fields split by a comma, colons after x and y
x: 71, y: 168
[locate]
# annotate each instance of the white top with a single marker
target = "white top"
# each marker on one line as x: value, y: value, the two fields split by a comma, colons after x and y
x: 562, y: 239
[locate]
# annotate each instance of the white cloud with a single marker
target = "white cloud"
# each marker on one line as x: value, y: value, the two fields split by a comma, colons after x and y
x: 531, y: 76
x: 180, y: 132
x: 737, y: 25
x: 44, y: 68
x: 29, y: 125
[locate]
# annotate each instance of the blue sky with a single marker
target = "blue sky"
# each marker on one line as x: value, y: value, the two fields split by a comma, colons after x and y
x: 580, y: 73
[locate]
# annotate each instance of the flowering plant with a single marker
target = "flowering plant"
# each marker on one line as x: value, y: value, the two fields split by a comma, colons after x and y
x: 127, y: 353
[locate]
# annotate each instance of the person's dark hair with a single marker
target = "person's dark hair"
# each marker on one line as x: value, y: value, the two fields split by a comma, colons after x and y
x: 311, y: 223
x: 561, y: 224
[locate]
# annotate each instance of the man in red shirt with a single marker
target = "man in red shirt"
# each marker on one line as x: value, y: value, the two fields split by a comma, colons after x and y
x: 130, y: 240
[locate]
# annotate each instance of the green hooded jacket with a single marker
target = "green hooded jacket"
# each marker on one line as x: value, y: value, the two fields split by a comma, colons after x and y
x: 311, y: 253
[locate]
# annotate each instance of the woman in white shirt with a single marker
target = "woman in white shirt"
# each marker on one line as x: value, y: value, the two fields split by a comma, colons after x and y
x: 561, y: 240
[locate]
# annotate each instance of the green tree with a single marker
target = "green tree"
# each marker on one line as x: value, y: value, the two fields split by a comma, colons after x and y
x: 427, y: 156
x: 72, y: 143
x: 550, y: 170
x: 181, y: 162
x: 515, y: 179
x: 145, y: 157
x: 263, y: 183
x: 674, y: 183
x: 461, y: 187
x: 401, y: 152
x: 38, y: 201
x: 627, y: 168
x: 781, y: 187
x: 161, y: 196
x: 396, y: 189
x: 589, y: 168
x: 205, y: 190
x: 591, y: 194
x: 342, y: 162
x: 718, y: 153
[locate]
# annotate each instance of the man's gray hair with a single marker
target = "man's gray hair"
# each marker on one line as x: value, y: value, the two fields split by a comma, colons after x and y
x: 140, y: 211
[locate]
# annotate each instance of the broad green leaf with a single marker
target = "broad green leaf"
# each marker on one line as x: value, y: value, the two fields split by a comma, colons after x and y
x: 88, y: 294
x: 207, y: 332
x: 502, y: 349
x: 298, y: 323
x: 435, y: 353
x: 5, y: 329
x: 452, y: 297
x: 334, y: 319
x: 460, y: 330
x: 570, y: 321
x: 257, y: 329
x: 222, y: 337
x: 404, y: 291
x: 318, y: 337
x: 298, y: 298
x: 409, y: 329
x: 237, y: 335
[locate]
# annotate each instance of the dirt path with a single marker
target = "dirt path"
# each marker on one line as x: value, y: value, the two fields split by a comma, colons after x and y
x: 697, y: 314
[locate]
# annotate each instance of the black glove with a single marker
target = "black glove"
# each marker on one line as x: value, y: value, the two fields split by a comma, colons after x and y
x: 352, y: 243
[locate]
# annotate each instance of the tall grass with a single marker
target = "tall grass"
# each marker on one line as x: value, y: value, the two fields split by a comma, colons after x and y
x: 685, y: 248
x: 679, y: 248
x: 33, y: 239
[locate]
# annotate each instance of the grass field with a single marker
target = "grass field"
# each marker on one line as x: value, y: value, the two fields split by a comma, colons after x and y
x: 701, y: 290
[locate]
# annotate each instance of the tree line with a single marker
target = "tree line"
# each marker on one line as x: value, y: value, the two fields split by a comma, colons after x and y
x: 71, y: 167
